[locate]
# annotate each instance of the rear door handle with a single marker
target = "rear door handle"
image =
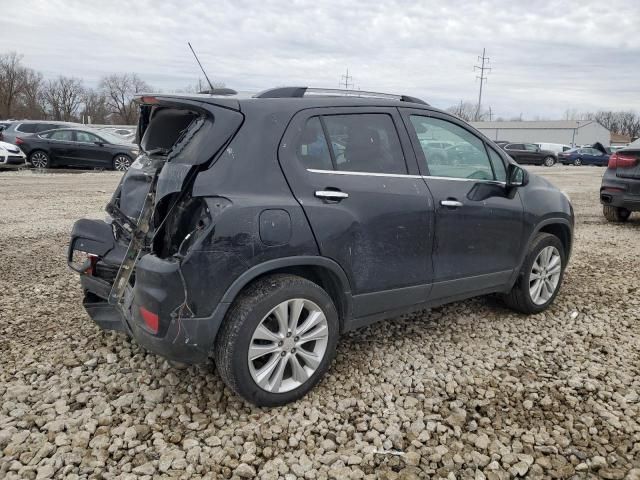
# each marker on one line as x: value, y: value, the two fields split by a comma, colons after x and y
x: 451, y: 203
x: 331, y: 195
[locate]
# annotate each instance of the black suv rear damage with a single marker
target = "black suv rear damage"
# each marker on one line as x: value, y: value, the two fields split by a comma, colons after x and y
x: 136, y: 259
x: 256, y: 231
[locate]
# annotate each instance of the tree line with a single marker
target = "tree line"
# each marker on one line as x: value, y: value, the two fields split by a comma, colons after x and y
x: 25, y: 94
x: 620, y: 122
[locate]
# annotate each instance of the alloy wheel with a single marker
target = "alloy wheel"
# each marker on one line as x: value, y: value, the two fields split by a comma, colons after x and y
x: 577, y: 162
x: 288, y: 345
x: 545, y: 275
x: 549, y: 161
x: 39, y: 160
x: 121, y: 163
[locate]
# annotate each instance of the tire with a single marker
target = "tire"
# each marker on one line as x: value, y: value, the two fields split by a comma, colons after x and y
x: 40, y: 159
x: 549, y: 161
x: 520, y: 298
x: 616, y: 214
x: 577, y: 162
x: 121, y: 163
x: 255, y: 307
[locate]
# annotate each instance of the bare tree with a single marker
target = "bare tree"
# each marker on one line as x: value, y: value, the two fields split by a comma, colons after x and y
x: 95, y: 108
x: 11, y: 82
x: 31, y: 98
x: 119, y: 91
x: 464, y: 110
x: 63, y: 98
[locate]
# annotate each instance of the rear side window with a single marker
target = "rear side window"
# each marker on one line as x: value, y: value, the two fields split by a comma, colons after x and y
x: 365, y: 143
x: 28, y: 128
x: 313, y: 149
x: 465, y: 158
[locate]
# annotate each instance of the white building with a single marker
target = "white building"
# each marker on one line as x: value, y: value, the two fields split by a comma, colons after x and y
x: 569, y: 132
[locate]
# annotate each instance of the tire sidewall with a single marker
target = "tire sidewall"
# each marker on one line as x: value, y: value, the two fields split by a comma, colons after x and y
x: 538, y: 245
x: 245, y: 384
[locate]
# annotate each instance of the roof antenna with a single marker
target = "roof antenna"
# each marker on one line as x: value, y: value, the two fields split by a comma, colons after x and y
x: 205, y: 73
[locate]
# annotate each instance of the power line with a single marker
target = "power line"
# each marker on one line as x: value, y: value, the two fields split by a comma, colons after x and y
x: 483, y: 78
x: 344, y: 80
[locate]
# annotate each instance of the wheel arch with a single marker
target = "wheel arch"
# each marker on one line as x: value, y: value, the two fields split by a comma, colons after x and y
x: 559, y: 227
x: 321, y: 270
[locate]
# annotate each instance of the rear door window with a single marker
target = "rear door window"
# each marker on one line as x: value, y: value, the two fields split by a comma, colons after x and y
x: 62, y: 136
x: 365, y: 142
x: 515, y: 146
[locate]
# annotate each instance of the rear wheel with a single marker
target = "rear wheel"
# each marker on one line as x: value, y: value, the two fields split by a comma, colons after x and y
x: 616, y: 214
x: 278, y: 340
x: 549, y: 161
x: 40, y: 159
x: 577, y: 162
x: 121, y: 163
x: 540, y: 276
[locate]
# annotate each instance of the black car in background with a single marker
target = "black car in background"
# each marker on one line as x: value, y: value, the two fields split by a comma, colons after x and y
x: 25, y: 128
x: 620, y: 189
x: 78, y: 147
x: 530, y: 153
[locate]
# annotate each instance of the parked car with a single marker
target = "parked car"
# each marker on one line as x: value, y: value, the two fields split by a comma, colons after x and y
x: 11, y: 156
x: 78, y: 147
x: 554, y: 147
x: 529, y: 153
x: 256, y: 241
x: 25, y: 128
x: 584, y: 156
x: 620, y: 188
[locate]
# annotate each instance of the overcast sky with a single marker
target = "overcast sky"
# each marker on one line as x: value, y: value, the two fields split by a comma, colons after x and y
x: 547, y: 55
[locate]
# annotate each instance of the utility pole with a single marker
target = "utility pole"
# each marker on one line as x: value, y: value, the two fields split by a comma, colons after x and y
x: 346, y: 80
x: 482, y: 77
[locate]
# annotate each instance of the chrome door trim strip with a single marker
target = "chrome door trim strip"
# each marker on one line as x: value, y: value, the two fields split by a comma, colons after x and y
x: 398, y: 175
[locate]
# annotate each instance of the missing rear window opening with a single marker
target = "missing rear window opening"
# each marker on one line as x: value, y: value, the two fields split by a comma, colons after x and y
x: 166, y: 126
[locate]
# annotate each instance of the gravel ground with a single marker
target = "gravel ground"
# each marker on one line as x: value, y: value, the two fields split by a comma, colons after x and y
x: 469, y: 390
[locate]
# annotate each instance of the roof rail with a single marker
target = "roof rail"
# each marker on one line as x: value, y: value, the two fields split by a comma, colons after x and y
x: 299, y: 92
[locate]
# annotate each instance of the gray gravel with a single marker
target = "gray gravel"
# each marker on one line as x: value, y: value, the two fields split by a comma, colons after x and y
x: 469, y: 390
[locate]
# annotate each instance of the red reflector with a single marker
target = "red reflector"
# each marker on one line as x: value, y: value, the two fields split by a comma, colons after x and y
x: 150, y: 319
x: 19, y: 141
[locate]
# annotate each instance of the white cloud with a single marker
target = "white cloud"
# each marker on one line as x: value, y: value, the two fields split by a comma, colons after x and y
x: 546, y: 55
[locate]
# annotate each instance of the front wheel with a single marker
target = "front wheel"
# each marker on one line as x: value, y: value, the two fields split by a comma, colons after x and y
x: 277, y: 340
x: 549, y: 161
x: 616, y: 214
x: 540, y: 276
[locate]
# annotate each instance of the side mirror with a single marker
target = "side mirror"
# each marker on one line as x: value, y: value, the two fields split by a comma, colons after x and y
x: 516, y: 176
x: 100, y: 144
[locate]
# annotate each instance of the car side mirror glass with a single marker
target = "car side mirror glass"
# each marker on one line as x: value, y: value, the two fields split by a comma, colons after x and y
x: 516, y: 176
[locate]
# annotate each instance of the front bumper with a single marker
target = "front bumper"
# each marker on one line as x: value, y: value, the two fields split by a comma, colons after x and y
x: 157, y: 286
x: 13, y: 161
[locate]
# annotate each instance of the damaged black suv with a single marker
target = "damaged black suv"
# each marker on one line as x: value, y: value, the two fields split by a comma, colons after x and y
x: 255, y: 231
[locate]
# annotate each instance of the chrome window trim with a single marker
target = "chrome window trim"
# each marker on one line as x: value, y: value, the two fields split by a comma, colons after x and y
x: 398, y: 175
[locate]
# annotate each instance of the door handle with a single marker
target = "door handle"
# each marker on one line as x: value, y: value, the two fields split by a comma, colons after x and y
x: 331, y: 195
x: 451, y: 203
